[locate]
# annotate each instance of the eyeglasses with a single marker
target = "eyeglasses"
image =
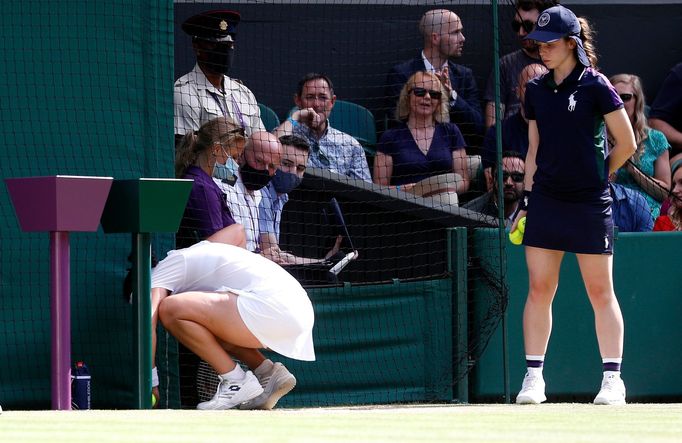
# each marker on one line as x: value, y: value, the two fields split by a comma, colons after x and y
x: 626, y: 97
x: 527, y: 26
x: 517, y: 177
x: 421, y: 92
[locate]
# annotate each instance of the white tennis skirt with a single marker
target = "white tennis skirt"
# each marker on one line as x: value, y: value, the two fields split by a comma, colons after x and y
x: 282, y: 324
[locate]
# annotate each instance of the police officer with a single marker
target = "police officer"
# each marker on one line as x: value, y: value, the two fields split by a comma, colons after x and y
x: 206, y: 92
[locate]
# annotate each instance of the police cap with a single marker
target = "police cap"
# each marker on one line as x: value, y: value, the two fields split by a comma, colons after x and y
x: 213, y: 26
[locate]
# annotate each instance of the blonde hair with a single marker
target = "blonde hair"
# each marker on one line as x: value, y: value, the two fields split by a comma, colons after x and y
x: 222, y: 130
x: 639, y: 121
x: 402, y: 112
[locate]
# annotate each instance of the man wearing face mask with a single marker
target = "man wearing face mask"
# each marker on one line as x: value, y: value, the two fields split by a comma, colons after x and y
x: 295, y: 152
x: 257, y: 166
x: 207, y: 92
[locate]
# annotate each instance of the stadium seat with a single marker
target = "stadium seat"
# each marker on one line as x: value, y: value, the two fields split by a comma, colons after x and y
x: 269, y: 117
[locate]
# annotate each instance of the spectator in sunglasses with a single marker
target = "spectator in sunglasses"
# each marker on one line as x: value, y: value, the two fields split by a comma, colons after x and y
x: 443, y: 36
x: 526, y: 13
x: 648, y: 170
x: 513, y: 167
x: 424, y: 144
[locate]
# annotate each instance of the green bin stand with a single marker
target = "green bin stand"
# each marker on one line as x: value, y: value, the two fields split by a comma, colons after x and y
x: 141, y: 207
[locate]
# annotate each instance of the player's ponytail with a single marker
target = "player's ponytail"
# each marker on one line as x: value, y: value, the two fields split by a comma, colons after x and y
x: 587, y: 36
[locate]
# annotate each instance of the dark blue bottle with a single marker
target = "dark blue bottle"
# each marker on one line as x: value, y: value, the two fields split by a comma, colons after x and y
x: 80, y: 386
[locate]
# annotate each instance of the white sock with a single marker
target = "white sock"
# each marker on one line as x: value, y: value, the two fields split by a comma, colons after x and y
x: 236, y: 374
x: 264, y: 367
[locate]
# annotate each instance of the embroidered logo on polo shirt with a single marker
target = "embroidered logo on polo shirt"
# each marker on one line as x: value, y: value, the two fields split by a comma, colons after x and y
x: 572, y: 102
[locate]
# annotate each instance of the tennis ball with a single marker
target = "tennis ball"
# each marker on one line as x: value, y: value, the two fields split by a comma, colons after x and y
x: 153, y: 400
x: 516, y: 236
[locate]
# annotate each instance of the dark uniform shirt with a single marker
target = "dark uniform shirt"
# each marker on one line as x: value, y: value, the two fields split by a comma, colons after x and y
x: 571, y: 156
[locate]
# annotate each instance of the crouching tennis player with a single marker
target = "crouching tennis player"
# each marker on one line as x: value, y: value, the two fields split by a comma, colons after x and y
x: 222, y: 301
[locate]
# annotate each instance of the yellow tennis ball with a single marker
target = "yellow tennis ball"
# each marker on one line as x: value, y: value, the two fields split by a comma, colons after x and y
x: 516, y: 236
x: 153, y: 400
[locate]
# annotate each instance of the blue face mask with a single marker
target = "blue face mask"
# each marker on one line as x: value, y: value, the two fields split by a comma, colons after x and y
x: 228, y: 171
x: 285, y: 182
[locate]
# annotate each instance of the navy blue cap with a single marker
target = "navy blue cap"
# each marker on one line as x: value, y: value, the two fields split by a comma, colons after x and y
x: 213, y: 26
x: 556, y: 23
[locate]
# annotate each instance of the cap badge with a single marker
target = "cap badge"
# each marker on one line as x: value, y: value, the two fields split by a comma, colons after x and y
x: 223, y: 25
x: 543, y: 20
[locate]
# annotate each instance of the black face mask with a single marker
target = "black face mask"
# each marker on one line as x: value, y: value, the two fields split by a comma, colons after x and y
x: 219, y: 59
x: 254, y: 179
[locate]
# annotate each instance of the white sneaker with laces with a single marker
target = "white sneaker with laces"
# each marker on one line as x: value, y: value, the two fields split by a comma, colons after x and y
x: 532, y: 390
x: 232, y: 393
x: 612, y: 391
x: 276, y: 383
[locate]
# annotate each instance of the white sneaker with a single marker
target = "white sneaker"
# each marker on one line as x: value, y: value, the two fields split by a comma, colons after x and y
x: 276, y: 383
x: 612, y: 391
x: 232, y: 393
x: 532, y: 390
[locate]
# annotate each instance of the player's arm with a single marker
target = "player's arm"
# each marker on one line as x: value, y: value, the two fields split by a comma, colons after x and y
x: 620, y: 130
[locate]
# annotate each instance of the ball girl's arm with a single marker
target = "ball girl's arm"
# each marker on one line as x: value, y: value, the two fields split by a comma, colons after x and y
x: 619, y: 128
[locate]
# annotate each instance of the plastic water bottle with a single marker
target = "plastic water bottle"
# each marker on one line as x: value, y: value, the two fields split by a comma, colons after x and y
x: 80, y: 387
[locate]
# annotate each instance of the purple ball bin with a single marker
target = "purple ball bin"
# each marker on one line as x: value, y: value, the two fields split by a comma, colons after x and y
x: 59, y: 204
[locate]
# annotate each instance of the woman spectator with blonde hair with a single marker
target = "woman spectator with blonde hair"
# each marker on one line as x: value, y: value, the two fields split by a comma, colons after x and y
x: 424, y: 144
x: 648, y: 170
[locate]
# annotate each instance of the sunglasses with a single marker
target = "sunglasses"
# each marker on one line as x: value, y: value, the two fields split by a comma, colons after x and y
x: 517, y: 177
x: 626, y: 97
x: 421, y: 92
x: 526, y: 24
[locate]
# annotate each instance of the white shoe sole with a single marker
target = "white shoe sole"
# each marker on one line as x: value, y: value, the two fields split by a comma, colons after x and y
x: 525, y: 400
x: 281, y: 391
x: 605, y: 402
x: 250, y: 396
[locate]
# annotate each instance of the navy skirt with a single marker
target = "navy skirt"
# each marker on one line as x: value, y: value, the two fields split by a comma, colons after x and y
x: 572, y: 226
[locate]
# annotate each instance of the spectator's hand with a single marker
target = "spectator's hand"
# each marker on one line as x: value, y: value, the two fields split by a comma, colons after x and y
x: 407, y: 187
x: 444, y: 77
x: 310, y: 118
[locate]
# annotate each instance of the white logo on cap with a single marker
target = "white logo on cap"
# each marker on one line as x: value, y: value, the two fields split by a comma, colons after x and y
x: 543, y: 20
x: 223, y: 25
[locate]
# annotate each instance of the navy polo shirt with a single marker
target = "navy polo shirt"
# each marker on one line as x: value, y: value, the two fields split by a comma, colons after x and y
x: 571, y: 156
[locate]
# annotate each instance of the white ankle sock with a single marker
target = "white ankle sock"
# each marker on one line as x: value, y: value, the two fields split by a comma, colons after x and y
x: 264, y: 367
x: 236, y: 374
